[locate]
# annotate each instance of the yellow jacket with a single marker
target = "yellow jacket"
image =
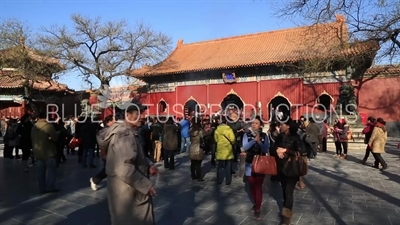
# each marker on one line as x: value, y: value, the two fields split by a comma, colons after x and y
x: 225, y: 139
x: 378, y: 140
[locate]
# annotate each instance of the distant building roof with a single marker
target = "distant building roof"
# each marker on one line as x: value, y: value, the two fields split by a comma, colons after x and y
x: 259, y: 49
x: 21, y: 49
x: 9, y: 79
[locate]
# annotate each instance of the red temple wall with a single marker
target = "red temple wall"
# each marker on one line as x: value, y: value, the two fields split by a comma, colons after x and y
x: 311, y: 92
x: 380, y: 97
x: 292, y: 89
x: 197, y: 92
x: 153, y: 99
x: 247, y: 91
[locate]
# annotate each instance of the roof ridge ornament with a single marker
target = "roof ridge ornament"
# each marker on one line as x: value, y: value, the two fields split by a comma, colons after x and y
x: 180, y: 43
x: 340, y: 18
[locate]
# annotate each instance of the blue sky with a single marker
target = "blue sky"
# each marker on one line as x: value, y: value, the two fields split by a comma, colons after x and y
x: 191, y: 20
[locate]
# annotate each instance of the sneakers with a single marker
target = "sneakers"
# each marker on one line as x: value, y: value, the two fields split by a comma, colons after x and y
x: 93, y: 185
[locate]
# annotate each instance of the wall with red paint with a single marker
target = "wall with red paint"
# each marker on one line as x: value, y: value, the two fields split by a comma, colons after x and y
x: 153, y: 99
x: 291, y: 89
x: 380, y: 97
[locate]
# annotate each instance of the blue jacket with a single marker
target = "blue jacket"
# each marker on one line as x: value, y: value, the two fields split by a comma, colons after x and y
x: 248, y: 144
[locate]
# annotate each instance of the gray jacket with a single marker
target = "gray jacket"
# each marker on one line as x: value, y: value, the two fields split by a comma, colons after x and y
x: 125, y: 157
x: 312, y: 131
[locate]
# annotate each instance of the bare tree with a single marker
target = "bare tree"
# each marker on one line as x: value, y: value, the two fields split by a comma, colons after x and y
x: 367, y: 20
x: 105, y: 49
x: 23, y: 58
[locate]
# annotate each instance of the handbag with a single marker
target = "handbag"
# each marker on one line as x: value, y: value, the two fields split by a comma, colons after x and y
x: 295, y: 166
x: 74, y: 143
x: 263, y: 164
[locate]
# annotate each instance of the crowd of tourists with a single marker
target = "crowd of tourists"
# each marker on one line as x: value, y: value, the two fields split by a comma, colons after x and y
x: 130, y: 147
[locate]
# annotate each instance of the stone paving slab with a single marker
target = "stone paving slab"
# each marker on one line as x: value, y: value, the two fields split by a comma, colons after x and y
x: 339, y: 192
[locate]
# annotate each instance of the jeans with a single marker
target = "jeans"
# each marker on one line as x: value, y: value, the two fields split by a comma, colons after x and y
x: 224, y: 170
x: 183, y: 142
x: 288, y: 186
x: 195, y: 169
x: 169, y: 159
x: 46, y: 174
x: 100, y: 175
x: 339, y: 145
x: 256, y: 184
x: 87, y: 154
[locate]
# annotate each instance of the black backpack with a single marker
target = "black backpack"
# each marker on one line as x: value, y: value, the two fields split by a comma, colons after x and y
x: 11, y: 133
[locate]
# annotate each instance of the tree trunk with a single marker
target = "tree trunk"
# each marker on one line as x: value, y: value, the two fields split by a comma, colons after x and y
x: 104, y: 82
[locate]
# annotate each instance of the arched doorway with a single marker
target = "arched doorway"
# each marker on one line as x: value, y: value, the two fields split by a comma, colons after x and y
x: 324, y: 101
x: 162, y: 106
x: 232, y: 101
x: 281, y: 102
x: 191, y: 107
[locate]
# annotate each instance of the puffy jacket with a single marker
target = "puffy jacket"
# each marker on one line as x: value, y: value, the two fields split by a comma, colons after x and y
x: 225, y: 139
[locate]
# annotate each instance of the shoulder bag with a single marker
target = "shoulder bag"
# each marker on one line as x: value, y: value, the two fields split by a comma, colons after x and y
x: 295, y: 166
x: 264, y: 164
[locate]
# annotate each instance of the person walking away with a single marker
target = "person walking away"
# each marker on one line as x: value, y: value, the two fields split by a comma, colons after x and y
x: 237, y: 128
x: 94, y: 181
x: 367, y: 131
x: 144, y: 132
x: 88, y: 142
x: 12, y: 139
x: 340, y: 137
x: 70, y: 127
x: 24, y: 132
x: 287, y: 144
x: 255, y: 145
x: 156, y: 130
x: 213, y: 145
x: 6, y: 138
x: 325, y: 132
x: 129, y: 189
x: 196, y: 151
x: 312, y: 132
x: 170, y: 143
x: 61, y: 142
x: 79, y: 123
x: 377, y: 143
x: 185, y: 137
x: 225, y: 141
x: 44, y: 139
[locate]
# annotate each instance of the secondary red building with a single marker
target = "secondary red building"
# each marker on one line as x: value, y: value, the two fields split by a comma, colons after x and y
x: 262, y: 70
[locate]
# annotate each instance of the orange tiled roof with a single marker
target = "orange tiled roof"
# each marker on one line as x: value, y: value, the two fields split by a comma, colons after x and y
x: 267, y: 48
x: 8, y: 80
x: 383, y: 70
x: 15, y: 52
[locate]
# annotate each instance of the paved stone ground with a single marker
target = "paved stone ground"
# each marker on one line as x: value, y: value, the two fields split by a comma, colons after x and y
x: 338, y: 192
